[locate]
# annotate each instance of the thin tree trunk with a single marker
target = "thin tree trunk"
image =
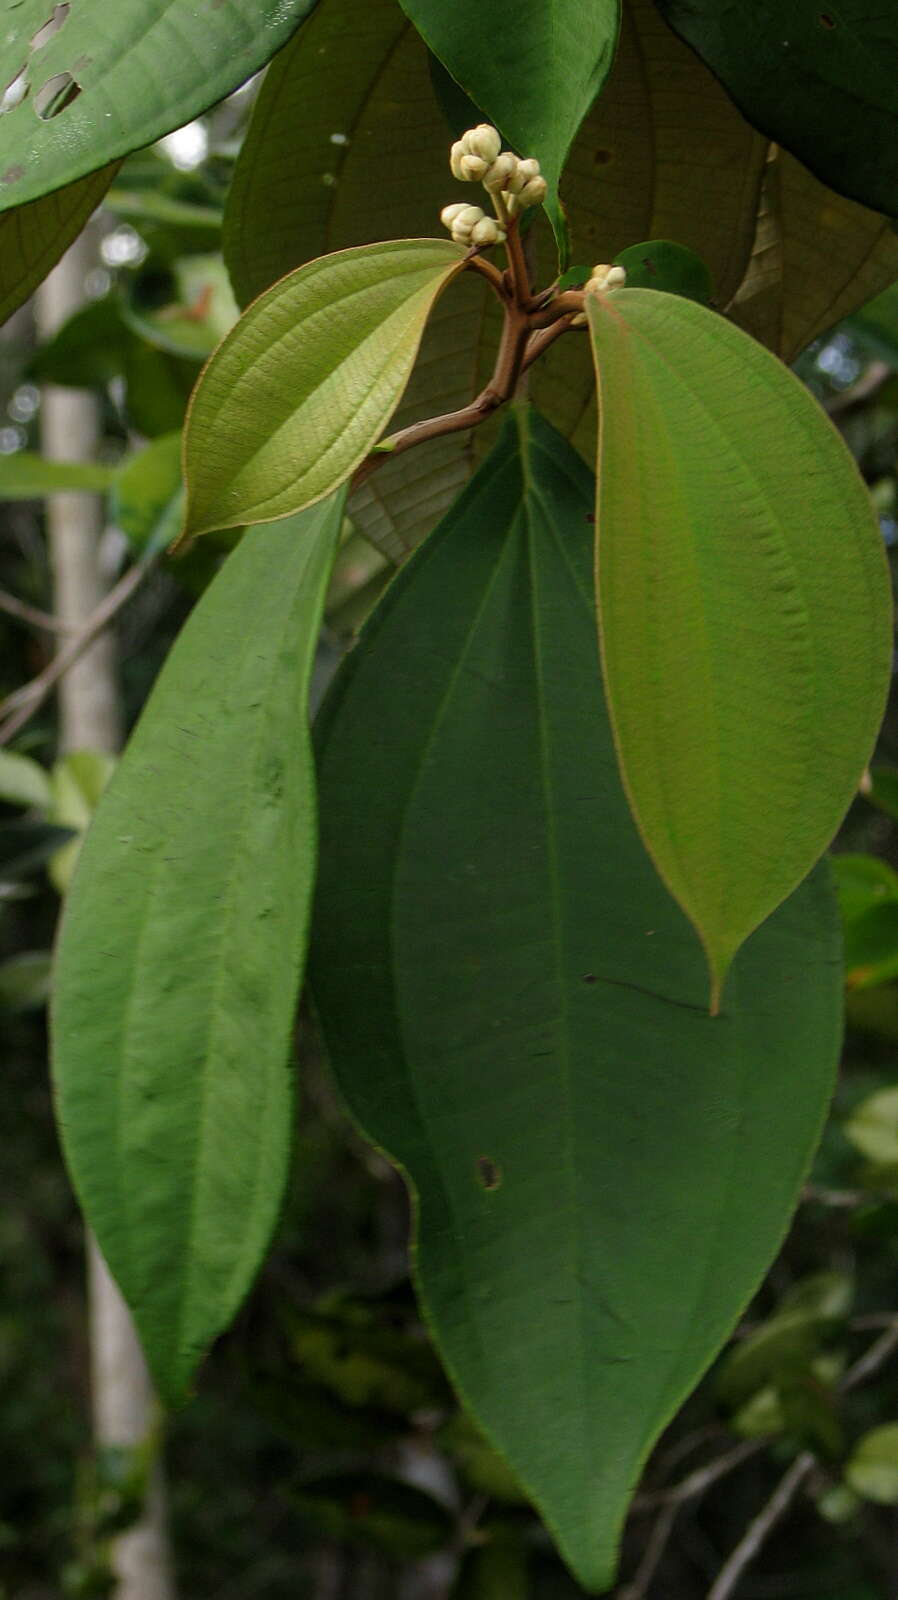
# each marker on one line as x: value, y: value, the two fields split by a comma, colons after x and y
x: 125, y: 1410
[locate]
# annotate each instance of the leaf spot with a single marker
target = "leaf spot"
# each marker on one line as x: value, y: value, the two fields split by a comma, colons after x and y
x: 56, y: 95
x: 488, y: 1172
x: 826, y: 21
x: 590, y: 977
x: 602, y: 158
x: 13, y: 174
x: 52, y: 25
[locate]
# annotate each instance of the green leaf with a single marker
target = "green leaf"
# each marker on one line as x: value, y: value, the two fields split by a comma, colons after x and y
x: 88, y: 350
x: 185, y: 309
x: 872, y: 1468
x: 25, y: 981
x: 33, y: 237
x: 377, y: 1512
x: 302, y: 387
x: 660, y: 264
x: 23, y: 782
x: 24, y: 475
x: 817, y: 257
x: 181, y: 949
x: 495, y: 1569
x: 516, y: 1009
x: 882, y: 790
x: 101, y: 86
x: 534, y: 69
x: 819, y: 79
x: 729, y: 638
x: 147, y: 500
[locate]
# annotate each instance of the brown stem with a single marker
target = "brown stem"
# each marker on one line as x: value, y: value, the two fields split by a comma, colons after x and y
x: 540, y: 342
x: 477, y: 263
x: 563, y: 305
x: 519, y: 277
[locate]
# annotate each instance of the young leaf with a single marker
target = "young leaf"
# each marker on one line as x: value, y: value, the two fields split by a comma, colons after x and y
x: 100, y: 85
x: 817, y: 257
x: 33, y: 237
x: 180, y: 953
x: 744, y: 606
x: 819, y: 80
x: 535, y: 69
x: 517, y: 1010
x: 300, y: 390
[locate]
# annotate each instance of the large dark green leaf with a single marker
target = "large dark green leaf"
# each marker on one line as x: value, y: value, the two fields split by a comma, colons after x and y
x: 535, y: 69
x: 730, y: 637
x: 112, y: 79
x: 181, y: 952
x: 517, y: 1010
x: 820, y: 79
x: 33, y: 237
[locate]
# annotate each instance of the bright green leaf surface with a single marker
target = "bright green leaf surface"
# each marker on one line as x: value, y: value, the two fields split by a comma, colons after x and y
x: 822, y: 80
x: 517, y: 1010
x: 306, y: 382
x: 180, y: 954
x: 28, y: 476
x: 23, y: 782
x: 745, y: 606
x: 127, y: 74
x: 33, y: 237
x: 872, y: 1469
x: 78, y: 781
x: 534, y: 68
x: 817, y: 257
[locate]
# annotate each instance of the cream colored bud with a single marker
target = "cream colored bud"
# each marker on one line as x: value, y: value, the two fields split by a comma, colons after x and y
x: 465, y: 223
x: 532, y: 194
x: 605, y: 276
x: 473, y: 168
x: 482, y: 141
x: 500, y: 172
x: 487, y: 231
x: 455, y: 158
x: 449, y: 214
x: 524, y: 172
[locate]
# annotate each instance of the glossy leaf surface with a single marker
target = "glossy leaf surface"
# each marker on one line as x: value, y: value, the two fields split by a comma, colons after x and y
x: 822, y: 81
x: 108, y: 81
x: 180, y: 954
x: 817, y: 257
x: 534, y: 69
x: 307, y: 380
x: 33, y: 237
x: 744, y: 605
x: 517, y: 1010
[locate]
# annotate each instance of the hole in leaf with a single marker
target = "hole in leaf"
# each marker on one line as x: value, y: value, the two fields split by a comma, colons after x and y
x: 488, y: 1172
x: 602, y: 158
x: 826, y: 21
x: 56, y: 95
x: 15, y: 91
x: 649, y: 265
x: 590, y: 977
x: 51, y: 26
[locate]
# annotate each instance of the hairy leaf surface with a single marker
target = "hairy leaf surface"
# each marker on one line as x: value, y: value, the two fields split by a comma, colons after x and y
x: 34, y: 236
x: 180, y: 953
x: 744, y: 607
x: 817, y: 258
x: 822, y: 80
x: 516, y: 1009
x: 107, y: 80
x: 304, y: 384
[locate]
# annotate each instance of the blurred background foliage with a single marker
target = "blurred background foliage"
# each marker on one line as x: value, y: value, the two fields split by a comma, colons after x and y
x: 324, y: 1453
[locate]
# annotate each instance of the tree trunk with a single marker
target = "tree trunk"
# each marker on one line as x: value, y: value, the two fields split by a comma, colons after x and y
x: 125, y: 1409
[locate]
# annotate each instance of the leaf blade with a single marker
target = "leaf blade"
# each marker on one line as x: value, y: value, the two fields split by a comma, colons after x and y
x: 493, y: 956
x: 174, y: 997
x: 723, y: 646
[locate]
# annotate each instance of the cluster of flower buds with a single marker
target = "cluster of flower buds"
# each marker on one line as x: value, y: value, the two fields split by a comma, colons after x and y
x: 605, y: 276
x: 470, y: 225
x: 477, y: 157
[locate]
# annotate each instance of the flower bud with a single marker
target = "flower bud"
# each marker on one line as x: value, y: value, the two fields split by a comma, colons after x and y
x: 482, y: 141
x: 605, y: 277
x: 449, y: 213
x: 499, y: 173
x: 487, y: 232
x: 532, y: 194
x: 525, y: 171
x: 455, y: 156
x: 472, y: 168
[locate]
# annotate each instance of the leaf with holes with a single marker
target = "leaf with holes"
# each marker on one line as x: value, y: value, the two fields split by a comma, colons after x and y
x: 730, y: 635
x: 817, y: 258
x: 534, y: 69
x: 87, y: 87
x: 820, y: 78
x: 181, y: 951
x: 303, y: 386
x: 34, y: 236
x: 516, y: 1010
